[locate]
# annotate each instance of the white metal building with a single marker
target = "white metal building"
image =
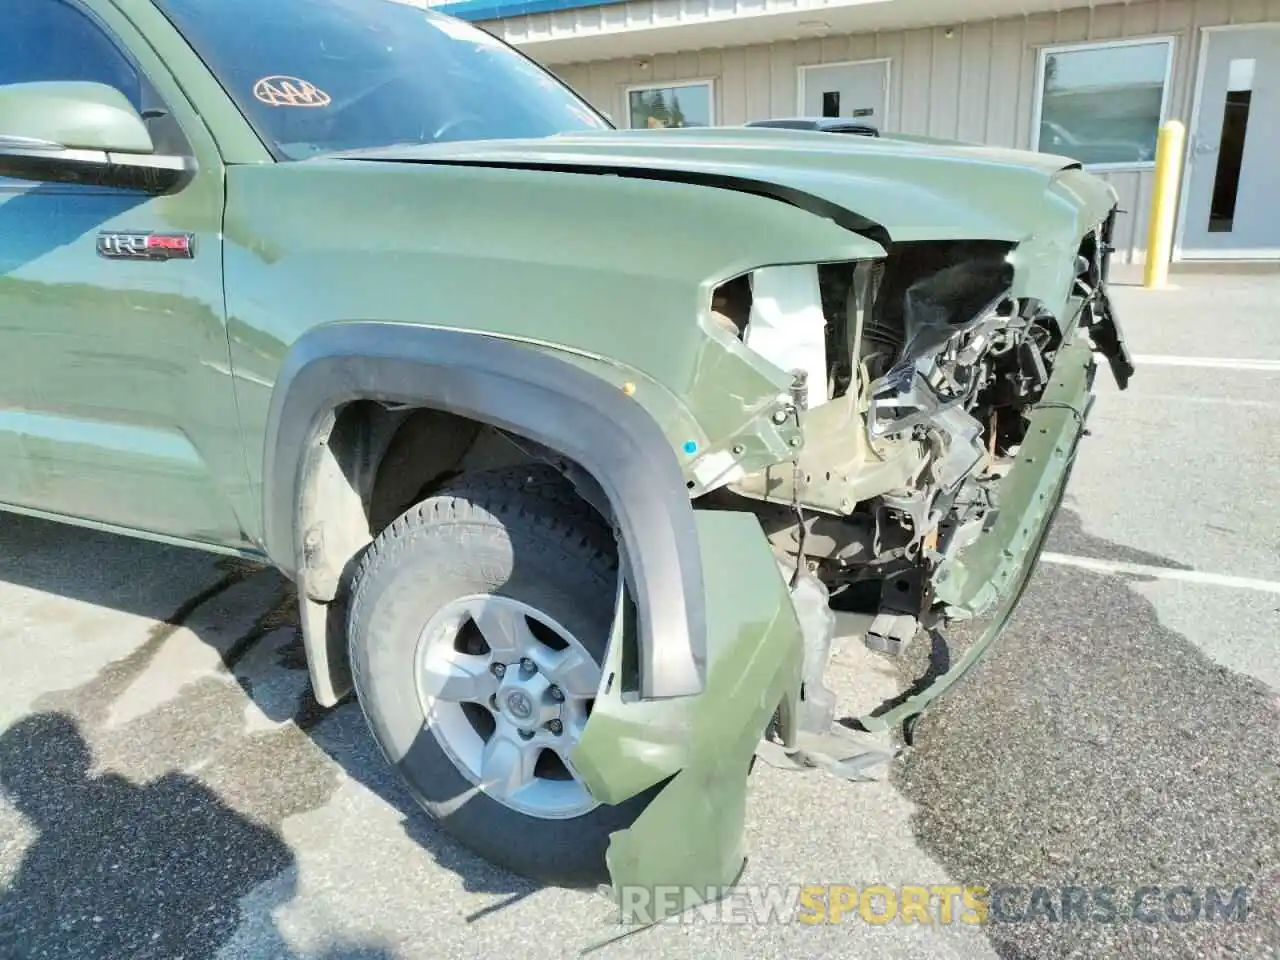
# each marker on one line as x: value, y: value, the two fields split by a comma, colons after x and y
x: 1090, y: 81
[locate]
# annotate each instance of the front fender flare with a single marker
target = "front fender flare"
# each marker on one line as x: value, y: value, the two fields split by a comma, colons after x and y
x: 531, y: 393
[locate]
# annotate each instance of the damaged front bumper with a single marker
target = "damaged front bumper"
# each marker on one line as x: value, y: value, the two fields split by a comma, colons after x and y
x: 691, y: 834
x: 700, y: 748
x: 988, y: 578
x: 971, y: 582
x: 694, y: 752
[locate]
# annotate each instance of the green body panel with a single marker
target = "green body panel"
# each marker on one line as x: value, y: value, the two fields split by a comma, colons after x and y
x: 528, y: 255
x: 918, y: 192
x: 1045, y: 260
x: 691, y: 833
x: 534, y: 255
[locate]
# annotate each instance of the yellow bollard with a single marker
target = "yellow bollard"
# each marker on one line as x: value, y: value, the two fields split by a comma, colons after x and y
x: 1164, y: 204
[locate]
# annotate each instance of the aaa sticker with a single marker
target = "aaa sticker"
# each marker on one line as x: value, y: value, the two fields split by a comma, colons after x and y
x: 289, y: 92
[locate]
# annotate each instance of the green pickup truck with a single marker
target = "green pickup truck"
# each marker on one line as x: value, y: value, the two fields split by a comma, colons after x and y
x: 572, y: 438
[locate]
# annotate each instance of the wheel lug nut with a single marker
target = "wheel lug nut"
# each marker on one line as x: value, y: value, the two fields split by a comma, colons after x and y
x: 556, y: 727
x: 528, y: 666
x: 557, y: 694
x: 498, y: 669
x: 526, y: 734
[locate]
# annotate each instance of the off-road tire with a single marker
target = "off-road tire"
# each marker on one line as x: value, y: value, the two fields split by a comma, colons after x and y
x: 522, y: 533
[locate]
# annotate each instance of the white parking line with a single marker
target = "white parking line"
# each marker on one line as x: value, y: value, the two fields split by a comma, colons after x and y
x: 1212, y: 363
x: 1207, y: 401
x: 1161, y: 573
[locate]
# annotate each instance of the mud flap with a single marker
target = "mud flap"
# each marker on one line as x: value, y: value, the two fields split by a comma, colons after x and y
x: 990, y: 577
x: 688, y: 843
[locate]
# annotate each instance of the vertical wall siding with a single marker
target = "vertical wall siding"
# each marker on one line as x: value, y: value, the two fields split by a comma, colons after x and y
x: 978, y: 84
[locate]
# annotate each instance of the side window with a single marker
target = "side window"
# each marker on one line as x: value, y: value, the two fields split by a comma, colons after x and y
x: 47, y: 40
x: 52, y: 40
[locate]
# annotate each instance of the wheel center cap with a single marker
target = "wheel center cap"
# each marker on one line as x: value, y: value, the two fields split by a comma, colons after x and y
x: 519, y: 705
x: 524, y: 702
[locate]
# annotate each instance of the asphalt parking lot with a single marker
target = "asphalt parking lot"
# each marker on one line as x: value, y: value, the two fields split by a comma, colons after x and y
x: 171, y: 791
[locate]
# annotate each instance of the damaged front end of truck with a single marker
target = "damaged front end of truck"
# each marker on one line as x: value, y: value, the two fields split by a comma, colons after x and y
x: 934, y: 401
x: 817, y: 382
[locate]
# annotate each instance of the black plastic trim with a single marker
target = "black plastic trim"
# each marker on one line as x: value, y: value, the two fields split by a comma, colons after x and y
x: 535, y: 395
x: 148, y: 173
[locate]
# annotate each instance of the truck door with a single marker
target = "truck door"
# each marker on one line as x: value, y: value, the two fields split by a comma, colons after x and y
x: 114, y: 373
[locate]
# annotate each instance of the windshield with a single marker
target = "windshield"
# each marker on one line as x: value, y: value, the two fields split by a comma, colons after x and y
x: 325, y: 76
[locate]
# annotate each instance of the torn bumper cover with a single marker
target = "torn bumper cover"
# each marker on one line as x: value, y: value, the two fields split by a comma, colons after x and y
x: 700, y: 748
x: 988, y: 578
x: 691, y: 834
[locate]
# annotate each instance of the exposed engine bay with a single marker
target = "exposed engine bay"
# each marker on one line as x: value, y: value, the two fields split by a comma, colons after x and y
x: 914, y: 377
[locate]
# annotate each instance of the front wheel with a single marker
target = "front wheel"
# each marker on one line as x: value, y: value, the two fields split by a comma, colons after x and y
x: 478, y: 622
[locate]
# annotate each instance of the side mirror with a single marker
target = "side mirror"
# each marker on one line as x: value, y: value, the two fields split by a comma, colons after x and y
x: 80, y: 133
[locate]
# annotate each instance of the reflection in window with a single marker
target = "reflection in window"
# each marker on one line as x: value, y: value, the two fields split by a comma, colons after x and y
x: 1103, y: 103
x: 1235, y: 124
x: 682, y: 105
x: 55, y: 42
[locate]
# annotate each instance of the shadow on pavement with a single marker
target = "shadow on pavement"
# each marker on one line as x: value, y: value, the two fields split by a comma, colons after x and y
x: 121, y: 869
x: 148, y: 832
x: 1069, y: 536
x: 1095, y: 747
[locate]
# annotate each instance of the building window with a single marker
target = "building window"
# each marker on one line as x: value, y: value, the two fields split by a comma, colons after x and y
x: 1103, y: 103
x: 674, y: 105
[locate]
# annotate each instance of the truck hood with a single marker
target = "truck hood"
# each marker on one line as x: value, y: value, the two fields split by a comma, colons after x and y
x: 890, y: 189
